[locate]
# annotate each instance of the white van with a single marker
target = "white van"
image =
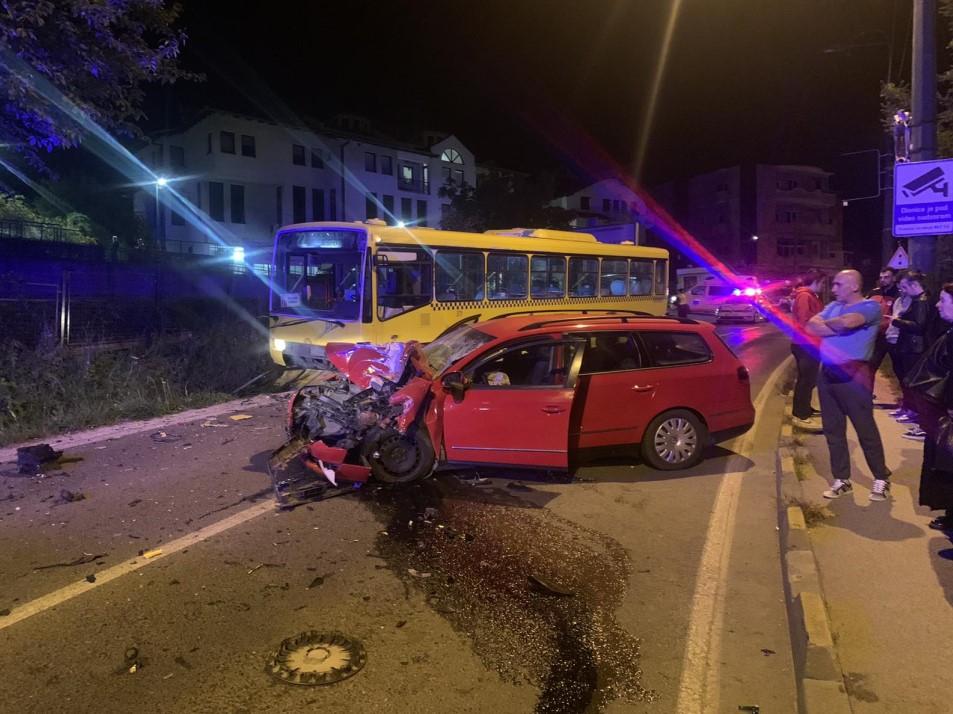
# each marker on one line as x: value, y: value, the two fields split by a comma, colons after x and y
x: 710, y: 295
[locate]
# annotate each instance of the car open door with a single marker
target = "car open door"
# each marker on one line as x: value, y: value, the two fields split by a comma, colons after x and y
x: 517, y: 408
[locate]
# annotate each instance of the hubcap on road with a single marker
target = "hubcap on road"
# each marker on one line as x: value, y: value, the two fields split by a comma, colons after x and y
x: 314, y: 658
x: 676, y: 440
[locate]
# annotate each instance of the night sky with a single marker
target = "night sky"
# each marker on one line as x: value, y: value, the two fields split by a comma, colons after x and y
x: 744, y: 80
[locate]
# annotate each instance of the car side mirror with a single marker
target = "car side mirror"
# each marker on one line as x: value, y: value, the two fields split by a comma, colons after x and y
x: 455, y: 383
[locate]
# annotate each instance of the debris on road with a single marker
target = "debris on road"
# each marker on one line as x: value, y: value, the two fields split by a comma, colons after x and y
x: 318, y: 581
x: 316, y: 658
x: 67, y: 496
x: 81, y: 560
x: 132, y: 662
x: 152, y: 553
x: 547, y: 587
x: 90, y: 578
x: 31, y: 459
x: 212, y: 424
x: 417, y: 573
x: 163, y: 437
x: 766, y: 652
x: 134, y: 502
x: 518, y: 486
x: 240, y: 417
x: 401, y: 623
x: 4, y: 612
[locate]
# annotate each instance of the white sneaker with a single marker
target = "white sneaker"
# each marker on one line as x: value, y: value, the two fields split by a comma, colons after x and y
x: 880, y: 490
x: 810, y: 424
x: 839, y: 488
x: 915, y: 433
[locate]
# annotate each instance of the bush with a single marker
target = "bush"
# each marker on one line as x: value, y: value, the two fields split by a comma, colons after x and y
x: 50, y: 389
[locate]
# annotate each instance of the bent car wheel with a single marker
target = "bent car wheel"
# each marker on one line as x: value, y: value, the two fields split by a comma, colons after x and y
x: 399, y: 458
x: 674, y: 440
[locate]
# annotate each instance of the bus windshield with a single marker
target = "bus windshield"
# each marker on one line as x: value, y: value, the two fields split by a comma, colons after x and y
x: 318, y: 273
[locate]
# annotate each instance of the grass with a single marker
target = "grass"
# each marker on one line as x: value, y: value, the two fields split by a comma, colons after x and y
x: 50, y: 389
x: 814, y: 513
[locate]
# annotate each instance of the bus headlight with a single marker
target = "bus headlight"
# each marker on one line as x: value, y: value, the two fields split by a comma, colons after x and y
x: 279, y: 344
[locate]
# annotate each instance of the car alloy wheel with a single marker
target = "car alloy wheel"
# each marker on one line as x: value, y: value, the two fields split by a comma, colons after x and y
x: 674, y: 440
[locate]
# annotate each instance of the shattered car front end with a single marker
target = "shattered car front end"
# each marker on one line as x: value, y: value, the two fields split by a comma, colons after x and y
x: 361, y: 423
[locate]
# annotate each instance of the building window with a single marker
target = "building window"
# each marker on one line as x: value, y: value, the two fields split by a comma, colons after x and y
x: 617, y: 206
x: 317, y: 161
x: 333, y: 204
x: 177, y: 219
x: 451, y: 156
x: 198, y: 195
x: 317, y: 204
x: 584, y: 203
x: 722, y: 187
x: 406, y: 210
x: 421, y: 213
x: 216, y: 200
x: 370, y: 162
x: 248, y: 145
x: 208, y: 148
x: 387, y: 165
x: 176, y: 157
x: 787, y: 184
x: 237, y: 196
x: 226, y: 142
x: 297, y: 204
x: 279, y: 207
x: 606, y: 205
x: 389, y: 208
x: 785, y: 216
x: 370, y: 205
x: 458, y: 177
x: 297, y: 155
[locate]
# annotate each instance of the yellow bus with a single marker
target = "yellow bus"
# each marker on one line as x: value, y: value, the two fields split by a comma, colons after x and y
x: 369, y: 282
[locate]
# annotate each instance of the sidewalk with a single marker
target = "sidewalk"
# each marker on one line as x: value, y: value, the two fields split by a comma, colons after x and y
x: 887, y: 579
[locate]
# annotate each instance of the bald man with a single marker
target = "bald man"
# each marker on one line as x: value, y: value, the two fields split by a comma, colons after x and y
x: 847, y: 328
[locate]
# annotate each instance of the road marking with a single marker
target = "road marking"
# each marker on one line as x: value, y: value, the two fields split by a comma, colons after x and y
x: 58, y: 597
x: 699, y: 687
x: 91, y: 436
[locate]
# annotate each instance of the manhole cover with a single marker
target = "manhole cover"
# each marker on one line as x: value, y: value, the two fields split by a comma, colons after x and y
x: 317, y: 658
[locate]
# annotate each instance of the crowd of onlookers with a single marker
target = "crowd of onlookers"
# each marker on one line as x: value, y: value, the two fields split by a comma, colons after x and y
x: 839, y: 348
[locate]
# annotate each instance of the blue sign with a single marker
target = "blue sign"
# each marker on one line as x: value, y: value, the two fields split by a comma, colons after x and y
x: 922, y: 198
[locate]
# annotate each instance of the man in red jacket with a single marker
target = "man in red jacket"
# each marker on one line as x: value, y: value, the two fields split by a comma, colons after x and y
x: 805, y: 305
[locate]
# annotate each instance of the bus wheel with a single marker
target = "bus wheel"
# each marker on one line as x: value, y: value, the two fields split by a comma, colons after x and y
x: 400, y: 458
x: 674, y: 440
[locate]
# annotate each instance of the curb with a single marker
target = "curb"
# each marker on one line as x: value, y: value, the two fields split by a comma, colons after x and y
x: 821, y: 688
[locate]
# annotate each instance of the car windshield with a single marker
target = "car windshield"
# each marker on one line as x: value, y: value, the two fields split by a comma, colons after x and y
x: 454, y: 345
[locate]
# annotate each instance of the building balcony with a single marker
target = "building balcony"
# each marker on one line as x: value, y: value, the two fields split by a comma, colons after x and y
x: 417, y: 186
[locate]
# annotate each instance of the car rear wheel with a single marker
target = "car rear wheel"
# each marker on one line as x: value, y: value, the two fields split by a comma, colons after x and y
x: 674, y: 440
x: 399, y: 458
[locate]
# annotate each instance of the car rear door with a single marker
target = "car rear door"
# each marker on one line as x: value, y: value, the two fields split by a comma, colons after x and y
x: 517, y: 408
x: 614, y: 392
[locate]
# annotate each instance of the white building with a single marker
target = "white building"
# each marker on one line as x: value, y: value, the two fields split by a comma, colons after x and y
x: 609, y: 209
x: 250, y: 176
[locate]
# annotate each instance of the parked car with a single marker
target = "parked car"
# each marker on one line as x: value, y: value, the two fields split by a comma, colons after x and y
x: 527, y: 391
x: 738, y: 308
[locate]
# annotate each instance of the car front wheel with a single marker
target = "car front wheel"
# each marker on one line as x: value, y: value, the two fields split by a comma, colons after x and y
x: 674, y: 440
x: 399, y: 458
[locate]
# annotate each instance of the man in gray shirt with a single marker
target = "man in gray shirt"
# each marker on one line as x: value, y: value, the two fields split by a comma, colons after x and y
x: 848, y: 329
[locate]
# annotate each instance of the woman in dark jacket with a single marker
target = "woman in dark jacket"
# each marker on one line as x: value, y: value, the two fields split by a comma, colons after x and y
x: 931, y: 384
x: 914, y: 325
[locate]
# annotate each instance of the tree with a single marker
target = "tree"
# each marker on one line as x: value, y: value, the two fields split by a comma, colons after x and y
x: 59, y: 56
x: 501, y: 201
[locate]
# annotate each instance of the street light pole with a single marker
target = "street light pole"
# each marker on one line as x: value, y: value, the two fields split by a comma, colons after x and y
x: 922, y: 249
x: 160, y: 182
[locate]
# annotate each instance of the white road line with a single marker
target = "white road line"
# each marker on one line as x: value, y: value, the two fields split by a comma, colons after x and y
x: 700, y: 685
x: 114, y: 431
x: 58, y: 597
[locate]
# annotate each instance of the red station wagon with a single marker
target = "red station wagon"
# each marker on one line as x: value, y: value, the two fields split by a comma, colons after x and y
x: 527, y: 391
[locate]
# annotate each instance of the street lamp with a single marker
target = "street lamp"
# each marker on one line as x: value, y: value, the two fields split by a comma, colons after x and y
x: 160, y: 182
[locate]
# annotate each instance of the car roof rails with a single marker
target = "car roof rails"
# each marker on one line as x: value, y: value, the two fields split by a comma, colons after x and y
x: 623, y: 318
x: 574, y: 311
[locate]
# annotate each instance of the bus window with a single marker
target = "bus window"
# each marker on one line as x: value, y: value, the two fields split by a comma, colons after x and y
x: 641, y: 277
x: 661, y: 277
x: 318, y: 273
x: 459, y: 276
x: 548, y: 277
x: 404, y: 280
x: 614, y: 275
x: 583, y: 275
x: 506, y: 276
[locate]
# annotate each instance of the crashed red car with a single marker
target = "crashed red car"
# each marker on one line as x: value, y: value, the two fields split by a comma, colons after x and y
x: 527, y: 391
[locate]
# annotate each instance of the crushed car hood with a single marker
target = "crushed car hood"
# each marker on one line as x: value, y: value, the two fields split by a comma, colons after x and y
x: 364, y: 364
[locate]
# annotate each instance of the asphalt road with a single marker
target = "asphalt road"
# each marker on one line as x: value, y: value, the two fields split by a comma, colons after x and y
x: 628, y: 590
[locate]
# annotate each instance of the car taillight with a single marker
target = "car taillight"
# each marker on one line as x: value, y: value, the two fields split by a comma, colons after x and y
x: 743, y: 374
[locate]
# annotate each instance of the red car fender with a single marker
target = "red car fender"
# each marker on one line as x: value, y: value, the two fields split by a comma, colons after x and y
x: 410, y: 398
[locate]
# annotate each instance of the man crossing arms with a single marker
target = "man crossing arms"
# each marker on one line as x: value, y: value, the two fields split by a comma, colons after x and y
x: 847, y: 328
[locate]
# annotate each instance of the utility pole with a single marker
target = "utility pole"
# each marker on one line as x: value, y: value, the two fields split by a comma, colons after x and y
x: 922, y: 249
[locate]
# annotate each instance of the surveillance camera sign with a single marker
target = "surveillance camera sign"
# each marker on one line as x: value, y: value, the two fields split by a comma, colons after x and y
x: 923, y: 198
